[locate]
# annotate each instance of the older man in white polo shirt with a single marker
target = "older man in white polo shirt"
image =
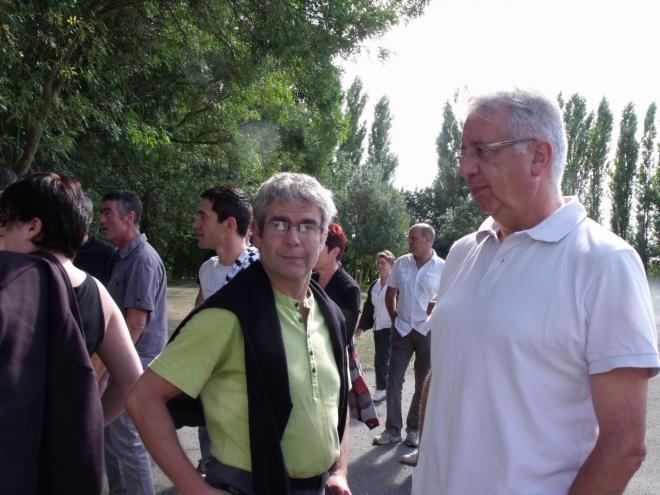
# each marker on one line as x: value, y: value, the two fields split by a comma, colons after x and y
x: 415, y: 277
x: 543, y: 336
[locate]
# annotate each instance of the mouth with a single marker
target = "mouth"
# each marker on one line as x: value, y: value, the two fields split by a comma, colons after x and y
x: 475, y: 190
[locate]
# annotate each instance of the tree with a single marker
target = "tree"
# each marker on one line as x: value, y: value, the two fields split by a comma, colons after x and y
x: 596, y: 162
x: 446, y: 205
x: 353, y: 144
x: 374, y: 217
x: 578, y: 125
x: 380, y: 156
x: 170, y: 97
x: 450, y: 187
x: 623, y: 176
x: 645, y: 193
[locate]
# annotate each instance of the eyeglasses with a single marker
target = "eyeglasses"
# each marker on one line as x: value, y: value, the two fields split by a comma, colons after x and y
x: 480, y: 150
x: 281, y: 227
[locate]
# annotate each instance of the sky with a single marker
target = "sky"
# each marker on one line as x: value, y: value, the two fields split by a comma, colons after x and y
x: 607, y: 48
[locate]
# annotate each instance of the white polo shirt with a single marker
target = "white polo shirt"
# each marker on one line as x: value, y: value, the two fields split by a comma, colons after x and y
x: 518, y: 329
x: 417, y: 287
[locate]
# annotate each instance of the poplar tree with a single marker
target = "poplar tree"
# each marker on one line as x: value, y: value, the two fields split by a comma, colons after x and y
x: 623, y: 177
x: 644, y: 191
x: 353, y: 145
x: 578, y: 125
x: 449, y: 185
x: 380, y: 157
x: 597, y: 163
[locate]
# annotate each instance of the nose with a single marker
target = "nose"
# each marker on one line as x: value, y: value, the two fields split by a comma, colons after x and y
x: 468, y: 166
x: 292, y: 236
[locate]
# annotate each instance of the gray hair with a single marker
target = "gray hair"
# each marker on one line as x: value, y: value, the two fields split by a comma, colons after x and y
x: 531, y: 115
x: 294, y: 187
x: 426, y: 229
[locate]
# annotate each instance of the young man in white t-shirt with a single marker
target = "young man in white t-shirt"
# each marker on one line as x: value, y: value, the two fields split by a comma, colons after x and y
x: 222, y: 224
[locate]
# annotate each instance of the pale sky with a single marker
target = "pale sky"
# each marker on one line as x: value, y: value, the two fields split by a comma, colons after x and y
x: 607, y: 48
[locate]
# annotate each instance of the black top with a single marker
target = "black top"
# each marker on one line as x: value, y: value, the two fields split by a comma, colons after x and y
x: 51, y: 439
x: 345, y: 292
x: 96, y: 258
x: 91, y: 313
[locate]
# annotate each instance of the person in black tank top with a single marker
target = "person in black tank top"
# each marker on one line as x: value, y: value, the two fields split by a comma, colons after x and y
x: 43, y: 214
x: 91, y: 312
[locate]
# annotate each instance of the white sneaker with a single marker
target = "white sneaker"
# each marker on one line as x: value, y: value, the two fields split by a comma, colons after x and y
x: 378, y: 395
x: 412, y: 439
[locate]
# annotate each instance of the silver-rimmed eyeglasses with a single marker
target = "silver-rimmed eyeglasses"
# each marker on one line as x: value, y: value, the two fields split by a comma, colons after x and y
x: 480, y: 150
x: 281, y: 227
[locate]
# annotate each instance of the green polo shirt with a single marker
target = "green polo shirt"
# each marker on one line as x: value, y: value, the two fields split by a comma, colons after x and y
x: 207, y: 358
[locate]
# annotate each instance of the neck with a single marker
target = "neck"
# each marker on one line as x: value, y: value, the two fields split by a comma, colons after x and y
x: 534, y: 217
x: 325, y: 274
x: 227, y: 255
x: 421, y: 260
x: 132, y: 234
x: 294, y: 289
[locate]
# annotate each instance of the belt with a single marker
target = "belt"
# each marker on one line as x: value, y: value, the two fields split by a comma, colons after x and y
x: 238, y: 481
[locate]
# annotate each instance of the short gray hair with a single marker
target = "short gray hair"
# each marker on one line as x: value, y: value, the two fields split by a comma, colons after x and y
x: 531, y: 115
x: 426, y: 229
x: 294, y: 187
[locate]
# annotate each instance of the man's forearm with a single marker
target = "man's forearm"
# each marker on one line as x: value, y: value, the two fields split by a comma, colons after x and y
x: 136, y: 321
x: 150, y: 415
x: 605, y: 474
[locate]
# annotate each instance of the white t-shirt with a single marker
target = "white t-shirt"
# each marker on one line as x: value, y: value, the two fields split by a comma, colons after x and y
x: 517, y: 331
x: 212, y: 276
x: 417, y: 287
x: 381, y: 315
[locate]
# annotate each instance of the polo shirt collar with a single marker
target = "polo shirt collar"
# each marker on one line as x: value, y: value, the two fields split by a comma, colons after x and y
x: 137, y: 241
x: 552, y: 229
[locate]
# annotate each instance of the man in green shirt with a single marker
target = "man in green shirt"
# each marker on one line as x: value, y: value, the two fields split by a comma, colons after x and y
x: 267, y: 356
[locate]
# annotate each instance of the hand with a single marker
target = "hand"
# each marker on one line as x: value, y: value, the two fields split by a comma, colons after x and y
x: 358, y: 334
x: 338, y: 484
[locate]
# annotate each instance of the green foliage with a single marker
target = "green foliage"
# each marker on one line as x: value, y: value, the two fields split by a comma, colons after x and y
x: 446, y: 205
x: 597, y: 160
x: 380, y: 158
x: 167, y: 98
x: 374, y: 217
x: 578, y: 126
x: 645, y: 194
x: 623, y: 177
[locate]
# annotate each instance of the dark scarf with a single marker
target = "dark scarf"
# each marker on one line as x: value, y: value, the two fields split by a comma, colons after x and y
x: 250, y: 297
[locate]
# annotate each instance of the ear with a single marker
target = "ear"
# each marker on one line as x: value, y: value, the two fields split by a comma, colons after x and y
x: 541, y: 159
x: 257, y: 234
x: 35, y: 227
x: 334, y: 252
x: 231, y: 224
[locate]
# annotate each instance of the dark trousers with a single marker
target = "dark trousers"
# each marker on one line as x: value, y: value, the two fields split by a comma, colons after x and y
x: 381, y: 356
x: 401, y: 351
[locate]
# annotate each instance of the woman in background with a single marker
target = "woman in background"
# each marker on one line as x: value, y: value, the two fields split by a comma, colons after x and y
x: 43, y: 214
x: 374, y: 314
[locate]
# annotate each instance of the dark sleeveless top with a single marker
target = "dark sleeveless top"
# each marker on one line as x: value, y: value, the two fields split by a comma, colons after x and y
x: 91, y: 313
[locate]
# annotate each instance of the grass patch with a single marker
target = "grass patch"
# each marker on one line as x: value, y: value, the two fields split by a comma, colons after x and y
x: 181, y: 300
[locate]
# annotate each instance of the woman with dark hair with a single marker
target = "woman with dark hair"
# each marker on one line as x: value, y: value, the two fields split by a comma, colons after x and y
x: 44, y: 214
x: 345, y: 292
